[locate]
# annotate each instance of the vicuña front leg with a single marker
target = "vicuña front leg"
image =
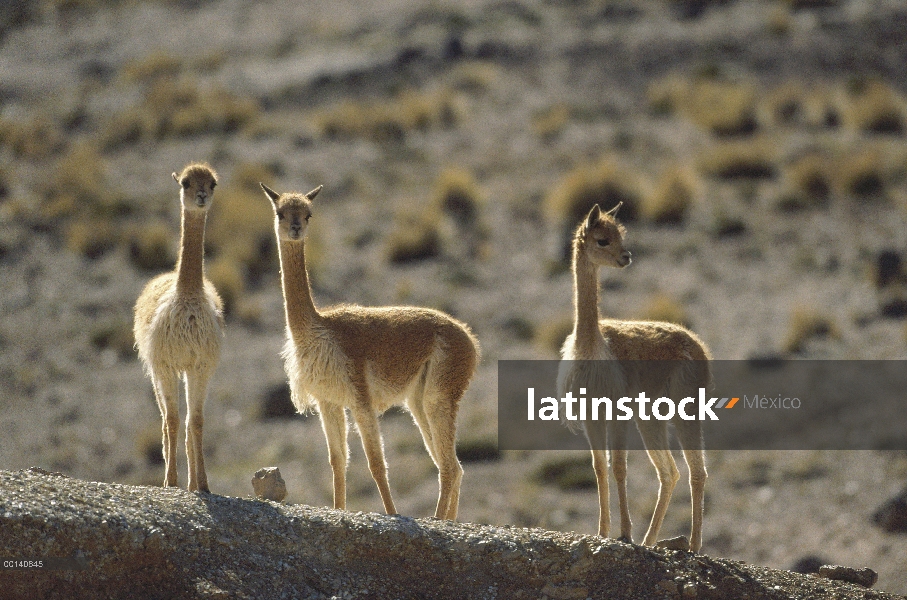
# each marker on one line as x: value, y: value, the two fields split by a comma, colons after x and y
x: 196, y: 391
x: 166, y: 392
x: 333, y: 422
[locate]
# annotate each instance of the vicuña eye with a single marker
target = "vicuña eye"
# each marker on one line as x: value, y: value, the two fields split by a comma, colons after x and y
x: 603, y: 243
x: 307, y: 217
x: 280, y: 216
x: 185, y: 183
x: 213, y: 183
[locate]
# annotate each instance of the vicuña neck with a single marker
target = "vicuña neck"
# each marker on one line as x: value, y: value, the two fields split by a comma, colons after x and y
x: 297, y: 293
x: 585, y: 303
x: 190, y: 264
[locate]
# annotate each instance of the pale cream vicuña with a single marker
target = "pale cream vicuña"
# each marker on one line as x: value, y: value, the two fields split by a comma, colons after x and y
x: 623, y: 347
x: 178, y: 329
x: 368, y: 359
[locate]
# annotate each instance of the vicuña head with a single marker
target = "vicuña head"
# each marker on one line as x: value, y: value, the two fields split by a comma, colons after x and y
x: 601, y: 238
x: 197, y: 182
x: 291, y: 213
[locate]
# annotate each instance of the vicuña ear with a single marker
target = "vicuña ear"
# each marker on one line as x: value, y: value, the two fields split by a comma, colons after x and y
x: 176, y: 177
x: 311, y: 195
x: 269, y: 192
x: 613, y: 211
x: 594, y: 215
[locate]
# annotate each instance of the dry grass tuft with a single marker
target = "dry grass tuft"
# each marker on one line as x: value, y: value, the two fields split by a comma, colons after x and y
x: 458, y: 194
x: 92, y: 238
x: 152, y: 246
x: 786, y: 104
x: 227, y: 278
x: 806, y: 323
x: 153, y: 66
x: 741, y: 159
x: 38, y: 138
x: 114, y: 334
x: 862, y: 174
x: 172, y: 109
x: 874, y: 107
x: 671, y: 198
x: 390, y: 120
x: 807, y: 182
x: 414, y: 238
x: 550, y: 335
x: 549, y: 123
x: 605, y: 183
x: 567, y: 474
x: 662, y: 307
x: 721, y: 107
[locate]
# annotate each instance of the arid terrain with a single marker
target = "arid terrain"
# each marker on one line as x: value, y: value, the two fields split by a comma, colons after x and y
x: 759, y: 149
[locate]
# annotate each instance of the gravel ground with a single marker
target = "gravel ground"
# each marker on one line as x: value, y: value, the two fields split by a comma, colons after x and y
x: 169, y: 543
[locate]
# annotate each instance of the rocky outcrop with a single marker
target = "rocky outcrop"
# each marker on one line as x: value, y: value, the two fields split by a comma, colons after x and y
x: 149, y: 542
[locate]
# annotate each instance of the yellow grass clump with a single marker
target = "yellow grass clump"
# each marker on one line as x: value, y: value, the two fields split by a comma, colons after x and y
x: 740, y: 159
x: 458, y: 194
x: 414, y: 238
x: 807, y: 323
x: 716, y: 105
x: 662, y: 307
x: 605, y: 183
x: 388, y: 120
x: 806, y: 182
x: 172, y: 109
x: 671, y: 198
x: 874, y: 107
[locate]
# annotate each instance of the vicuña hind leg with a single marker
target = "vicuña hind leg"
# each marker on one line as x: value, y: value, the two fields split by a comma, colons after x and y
x: 443, y: 424
x: 618, y: 449
x: 690, y: 435
x: 333, y: 422
x: 655, y: 438
x: 367, y: 423
x: 166, y: 392
x: 600, y: 465
x: 196, y: 391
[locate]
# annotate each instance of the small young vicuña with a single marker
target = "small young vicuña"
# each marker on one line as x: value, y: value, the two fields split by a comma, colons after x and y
x: 367, y: 360
x: 178, y: 327
x: 626, y: 350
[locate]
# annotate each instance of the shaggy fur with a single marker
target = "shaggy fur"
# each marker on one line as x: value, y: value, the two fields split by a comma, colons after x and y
x: 368, y: 359
x: 620, y: 344
x: 178, y: 328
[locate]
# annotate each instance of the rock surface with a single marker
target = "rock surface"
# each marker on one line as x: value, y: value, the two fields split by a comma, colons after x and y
x: 269, y: 485
x: 169, y: 543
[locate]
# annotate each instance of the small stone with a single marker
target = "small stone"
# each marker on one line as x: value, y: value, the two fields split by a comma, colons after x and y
x: 269, y: 485
x: 668, y: 585
x: 865, y: 577
x: 690, y: 590
x: 677, y: 543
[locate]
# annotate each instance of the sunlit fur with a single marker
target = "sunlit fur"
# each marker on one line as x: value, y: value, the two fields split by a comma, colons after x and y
x: 367, y: 359
x: 599, y: 243
x: 178, y: 329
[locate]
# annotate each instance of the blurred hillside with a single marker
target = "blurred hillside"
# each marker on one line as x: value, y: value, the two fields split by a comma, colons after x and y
x: 759, y: 148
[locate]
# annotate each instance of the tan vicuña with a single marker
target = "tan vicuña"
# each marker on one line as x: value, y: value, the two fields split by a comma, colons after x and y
x: 178, y: 328
x: 368, y: 359
x: 622, y: 347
